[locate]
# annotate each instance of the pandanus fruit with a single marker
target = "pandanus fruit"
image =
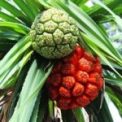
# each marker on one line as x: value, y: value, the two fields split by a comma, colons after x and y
x: 75, y: 80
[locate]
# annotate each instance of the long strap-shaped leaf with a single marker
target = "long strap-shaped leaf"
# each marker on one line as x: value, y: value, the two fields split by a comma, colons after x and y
x: 7, y: 17
x: 102, y: 115
x: 34, y: 82
x: 15, y: 26
x: 25, y: 8
x: 115, y: 96
x: 33, y: 6
x: 14, y: 50
x: 79, y: 115
x: 35, y: 110
x: 113, y: 79
x: 116, y: 18
x: 11, y: 77
x: 17, y: 90
x: 13, y: 10
x: 8, y: 35
x: 96, y: 9
x: 86, y: 24
x: 40, y: 107
x: 14, y: 61
x: 115, y: 115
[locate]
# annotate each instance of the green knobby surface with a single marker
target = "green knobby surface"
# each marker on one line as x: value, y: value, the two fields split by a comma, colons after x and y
x: 54, y: 34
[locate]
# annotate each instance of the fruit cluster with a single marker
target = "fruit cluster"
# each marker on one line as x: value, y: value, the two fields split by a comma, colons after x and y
x: 75, y: 80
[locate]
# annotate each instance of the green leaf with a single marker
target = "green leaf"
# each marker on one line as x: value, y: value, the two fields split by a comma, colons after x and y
x: 86, y: 24
x: 96, y: 10
x: 112, y: 106
x: 13, y: 10
x: 113, y: 78
x: 99, y: 44
x: 114, y: 81
x: 9, y: 36
x: 43, y: 3
x: 25, y: 8
x: 34, y: 116
x: 116, y: 18
x: 17, y: 90
x: 102, y: 115
x: 12, y: 76
x: 78, y: 115
x: 33, y: 6
x: 13, y: 62
x: 34, y: 82
x: 30, y: 76
x: 78, y: 2
x: 14, y: 50
x: 7, y: 17
x: 15, y: 26
x: 118, y: 10
x: 116, y: 100
x: 51, y: 109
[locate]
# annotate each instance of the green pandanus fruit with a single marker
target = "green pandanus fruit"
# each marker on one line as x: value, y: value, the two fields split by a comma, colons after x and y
x: 54, y: 34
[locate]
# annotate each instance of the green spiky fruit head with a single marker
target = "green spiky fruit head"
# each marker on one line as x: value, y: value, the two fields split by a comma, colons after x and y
x: 54, y: 34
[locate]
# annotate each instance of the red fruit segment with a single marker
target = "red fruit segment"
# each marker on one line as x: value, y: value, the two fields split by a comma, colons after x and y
x: 83, y: 100
x: 68, y: 69
x: 92, y: 91
x: 78, y: 89
x: 85, y: 65
x: 68, y: 82
x: 64, y: 92
x: 92, y: 80
x: 81, y: 76
x: 94, y: 77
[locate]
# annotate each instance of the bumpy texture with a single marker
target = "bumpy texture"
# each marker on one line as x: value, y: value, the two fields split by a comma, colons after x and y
x: 75, y: 80
x: 54, y: 34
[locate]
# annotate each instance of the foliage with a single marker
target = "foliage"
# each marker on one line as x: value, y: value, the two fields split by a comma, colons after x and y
x: 29, y: 100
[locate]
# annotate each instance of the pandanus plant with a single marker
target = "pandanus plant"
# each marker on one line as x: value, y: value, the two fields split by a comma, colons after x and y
x: 58, y: 60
